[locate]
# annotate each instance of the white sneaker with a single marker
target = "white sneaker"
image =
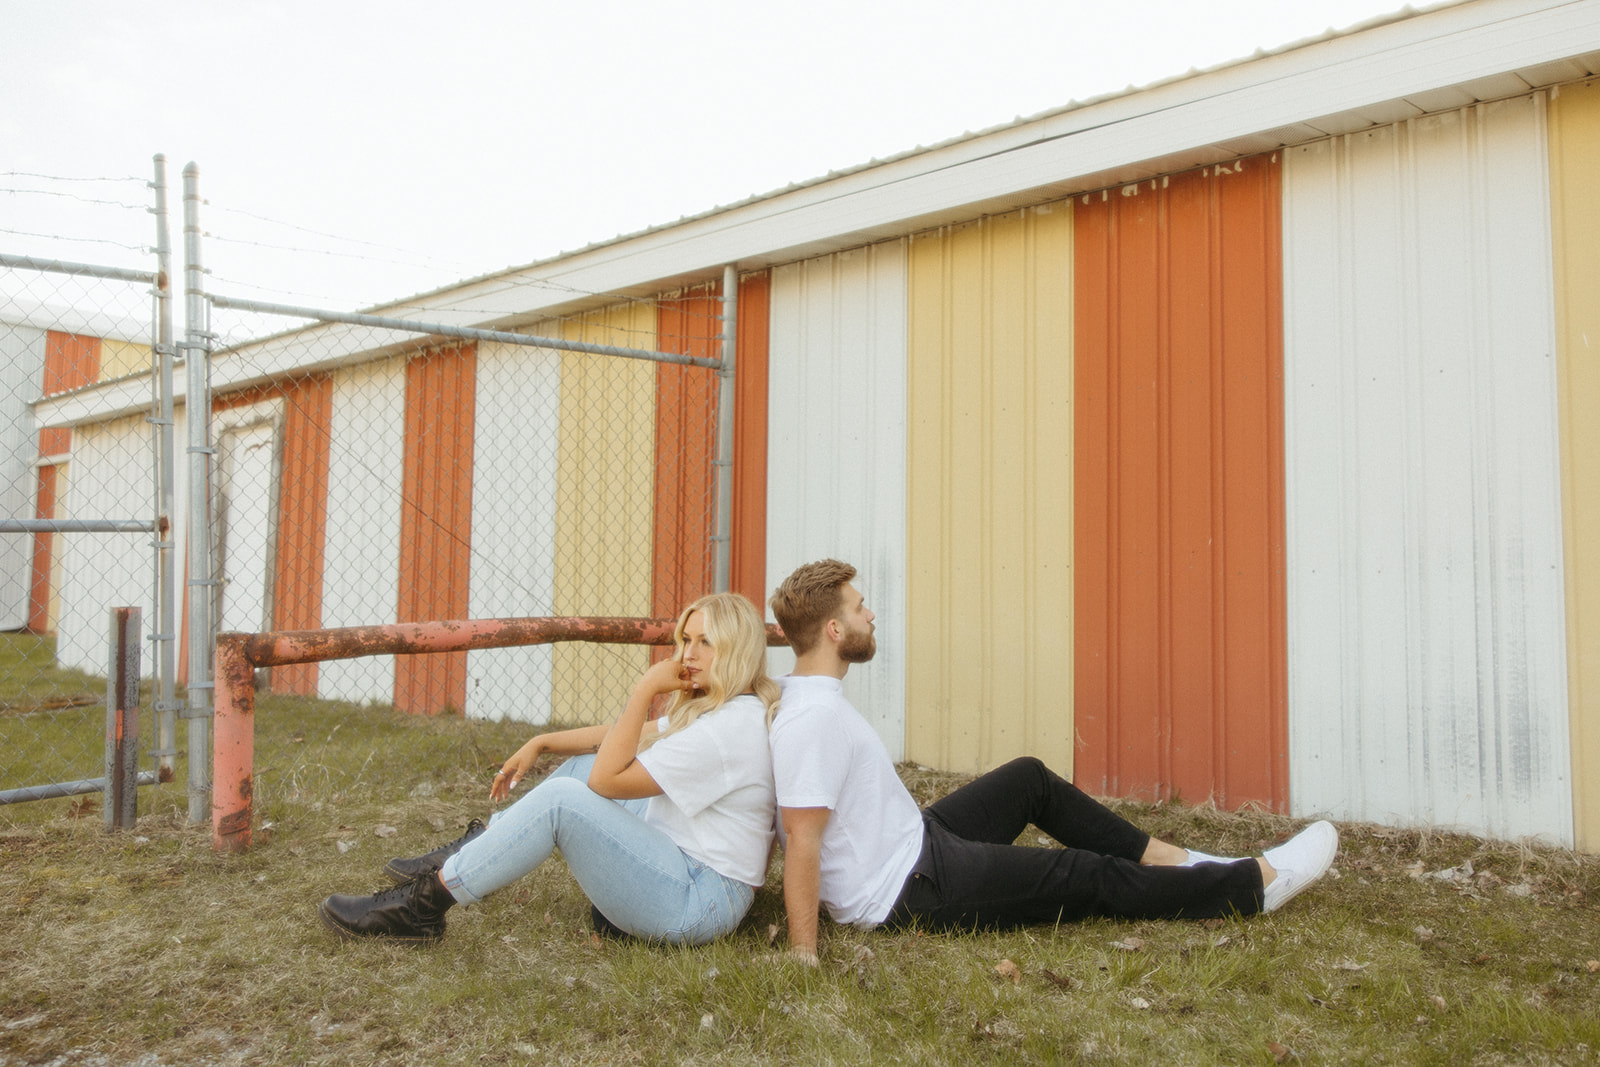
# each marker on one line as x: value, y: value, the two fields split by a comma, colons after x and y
x: 1299, y: 861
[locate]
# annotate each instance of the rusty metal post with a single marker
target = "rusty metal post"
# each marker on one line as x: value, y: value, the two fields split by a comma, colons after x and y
x: 121, y: 794
x: 233, y: 737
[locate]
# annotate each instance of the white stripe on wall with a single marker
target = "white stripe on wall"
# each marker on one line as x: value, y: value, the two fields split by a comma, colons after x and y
x: 1426, y: 625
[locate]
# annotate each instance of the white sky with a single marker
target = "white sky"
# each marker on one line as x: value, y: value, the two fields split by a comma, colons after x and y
x: 429, y: 142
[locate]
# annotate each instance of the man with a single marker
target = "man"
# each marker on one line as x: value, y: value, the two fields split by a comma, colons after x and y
x: 854, y: 840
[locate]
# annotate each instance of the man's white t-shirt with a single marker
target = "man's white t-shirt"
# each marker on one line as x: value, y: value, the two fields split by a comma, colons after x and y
x: 716, y: 780
x: 825, y: 755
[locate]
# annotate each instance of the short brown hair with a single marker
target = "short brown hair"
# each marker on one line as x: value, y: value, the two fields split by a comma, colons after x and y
x: 808, y: 598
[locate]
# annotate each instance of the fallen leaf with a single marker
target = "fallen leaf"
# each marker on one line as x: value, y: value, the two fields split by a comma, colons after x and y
x: 549, y: 920
x: 864, y: 955
x: 1438, y: 1003
x: 344, y: 846
x: 1140, y: 1003
x: 1067, y: 982
x: 1280, y: 1053
x: 1129, y: 944
x: 1481, y: 958
x: 1593, y: 966
x: 384, y: 830
x: 1007, y: 969
x: 1521, y: 889
x: 1219, y: 942
x: 1423, y: 933
x: 772, y: 933
x: 706, y: 1021
x: 1349, y: 965
x: 508, y: 939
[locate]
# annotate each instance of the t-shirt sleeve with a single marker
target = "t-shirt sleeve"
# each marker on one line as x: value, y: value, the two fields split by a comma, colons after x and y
x: 809, y: 761
x: 690, y: 766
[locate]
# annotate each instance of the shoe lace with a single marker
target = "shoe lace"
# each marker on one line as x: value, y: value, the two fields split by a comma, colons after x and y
x: 474, y: 828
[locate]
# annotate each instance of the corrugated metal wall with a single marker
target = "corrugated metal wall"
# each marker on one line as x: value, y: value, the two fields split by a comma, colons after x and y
x: 361, y: 562
x: 685, y: 448
x: 297, y: 585
x: 836, y: 458
x: 514, y: 523
x: 748, y: 561
x: 989, y: 536
x: 1426, y: 604
x: 436, y: 521
x: 1179, y: 498
x: 1575, y: 187
x: 608, y: 425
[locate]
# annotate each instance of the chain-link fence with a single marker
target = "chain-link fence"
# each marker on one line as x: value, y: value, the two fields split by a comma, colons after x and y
x: 356, y: 471
x: 368, y: 474
x: 80, y: 506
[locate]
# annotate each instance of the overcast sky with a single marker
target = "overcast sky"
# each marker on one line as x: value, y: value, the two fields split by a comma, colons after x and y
x: 353, y: 152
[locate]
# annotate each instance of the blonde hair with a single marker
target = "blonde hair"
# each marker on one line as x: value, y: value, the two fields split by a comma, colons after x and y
x: 738, y: 639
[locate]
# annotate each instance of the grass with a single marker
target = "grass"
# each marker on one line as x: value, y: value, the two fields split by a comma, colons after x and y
x: 149, y: 948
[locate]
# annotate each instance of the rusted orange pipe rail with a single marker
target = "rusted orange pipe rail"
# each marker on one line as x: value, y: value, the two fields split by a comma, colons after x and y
x: 239, y: 654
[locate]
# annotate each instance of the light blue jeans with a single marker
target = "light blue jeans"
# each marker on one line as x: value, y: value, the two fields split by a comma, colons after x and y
x: 635, y: 874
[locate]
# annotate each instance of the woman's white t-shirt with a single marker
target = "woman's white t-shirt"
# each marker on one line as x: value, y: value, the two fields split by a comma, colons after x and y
x: 716, y: 799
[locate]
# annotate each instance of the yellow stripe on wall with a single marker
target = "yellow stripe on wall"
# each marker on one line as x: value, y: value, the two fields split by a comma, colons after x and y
x: 989, y: 492
x: 604, y: 514
x: 1574, y: 130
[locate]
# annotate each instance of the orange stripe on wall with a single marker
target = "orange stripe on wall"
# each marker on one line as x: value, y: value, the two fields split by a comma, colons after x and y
x: 1181, y: 678
x: 436, y: 521
x: 303, y: 522
x: 302, y: 515
x: 686, y: 441
x: 748, y: 562
x: 71, y: 361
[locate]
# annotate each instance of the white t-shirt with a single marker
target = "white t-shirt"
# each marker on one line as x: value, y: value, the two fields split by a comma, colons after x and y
x: 716, y: 780
x: 825, y: 755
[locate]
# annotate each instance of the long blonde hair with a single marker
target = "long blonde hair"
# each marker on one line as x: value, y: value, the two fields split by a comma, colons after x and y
x: 738, y: 639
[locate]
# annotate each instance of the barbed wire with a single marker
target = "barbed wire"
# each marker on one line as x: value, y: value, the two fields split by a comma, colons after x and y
x: 142, y: 249
x: 80, y: 199
x: 69, y: 178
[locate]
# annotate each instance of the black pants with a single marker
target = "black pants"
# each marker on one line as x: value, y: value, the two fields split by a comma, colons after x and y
x: 971, y: 875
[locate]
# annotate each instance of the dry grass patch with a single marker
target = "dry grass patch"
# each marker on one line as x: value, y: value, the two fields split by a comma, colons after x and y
x: 149, y: 948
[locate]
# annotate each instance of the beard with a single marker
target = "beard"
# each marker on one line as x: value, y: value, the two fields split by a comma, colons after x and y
x: 858, y: 646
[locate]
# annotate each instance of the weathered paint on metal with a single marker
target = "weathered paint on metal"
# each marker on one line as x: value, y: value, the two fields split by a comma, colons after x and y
x: 1427, y: 639
x: 1180, y: 633
x: 749, y: 568
x: 239, y: 654
x: 837, y: 448
x: 436, y: 520
x: 988, y: 615
x: 1575, y: 200
x: 233, y: 742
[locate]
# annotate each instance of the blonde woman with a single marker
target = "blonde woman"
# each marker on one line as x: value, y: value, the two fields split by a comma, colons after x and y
x: 670, y: 834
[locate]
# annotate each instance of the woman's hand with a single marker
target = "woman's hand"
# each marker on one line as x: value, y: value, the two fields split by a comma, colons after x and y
x: 668, y: 676
x: 516, y: 768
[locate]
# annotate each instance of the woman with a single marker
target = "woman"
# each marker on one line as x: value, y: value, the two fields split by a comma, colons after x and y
x: 682, y: 866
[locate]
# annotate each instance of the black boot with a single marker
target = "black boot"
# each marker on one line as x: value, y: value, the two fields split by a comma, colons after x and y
x: 403, y: 870
x: 412, y: 911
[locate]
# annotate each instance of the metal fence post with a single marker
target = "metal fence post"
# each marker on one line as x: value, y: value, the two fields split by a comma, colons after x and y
x: 197, y: 408
x: 722, y: 555
x: 121, y: 798
x: 235, y: 746
x: 164, y: 638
